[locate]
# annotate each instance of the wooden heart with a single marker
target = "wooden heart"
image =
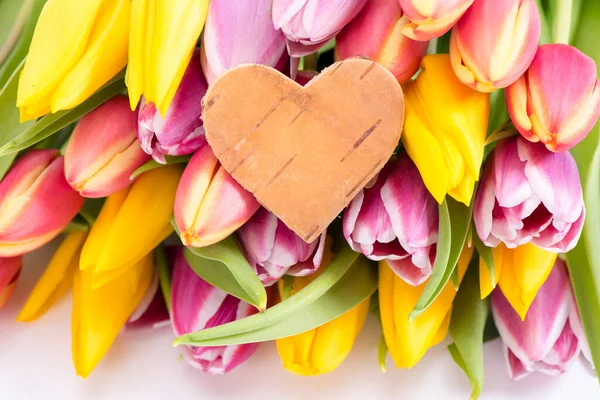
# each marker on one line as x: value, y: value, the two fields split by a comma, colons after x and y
x: 304, y: 152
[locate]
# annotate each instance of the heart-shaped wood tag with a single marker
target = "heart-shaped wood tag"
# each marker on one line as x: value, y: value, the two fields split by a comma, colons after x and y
x: 304, y: 152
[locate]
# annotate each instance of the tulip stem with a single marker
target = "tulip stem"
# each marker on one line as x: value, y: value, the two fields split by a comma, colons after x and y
x: 562, y: 19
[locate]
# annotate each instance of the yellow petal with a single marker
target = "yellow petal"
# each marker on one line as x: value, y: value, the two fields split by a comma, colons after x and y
x: 524, y: 271
x: 143, y: 221
x: 135, y: 68
x: 105, y: 55
x: 55, y: 280
x: 100, y: 314
x: 486, y: 282
x: 59, y: 40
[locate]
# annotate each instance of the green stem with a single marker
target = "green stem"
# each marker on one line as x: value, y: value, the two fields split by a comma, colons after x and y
x: 561, y: 24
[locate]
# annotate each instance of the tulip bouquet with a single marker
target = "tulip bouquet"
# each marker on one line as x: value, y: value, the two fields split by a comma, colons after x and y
x: 481, y: 225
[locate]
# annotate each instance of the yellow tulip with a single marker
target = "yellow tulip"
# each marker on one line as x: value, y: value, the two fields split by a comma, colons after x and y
x: 445, y: 129
x: 321, y: 350
x: 407, y: 340
x: 77, y: 47
x: 99, y: 314
x: 520, y: 272
x: 131, y: 224
x: 163, y: 36
x: 56, y: 279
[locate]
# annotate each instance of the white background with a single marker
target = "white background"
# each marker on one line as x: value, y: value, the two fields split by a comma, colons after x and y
x: 35, y: 363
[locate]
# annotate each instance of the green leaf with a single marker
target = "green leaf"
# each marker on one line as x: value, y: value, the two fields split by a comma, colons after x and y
x: 78, y: 224
x: 546, y: 36
x: 150, y: 165
x: 443, y: 44
x: 13, y: 18
x: 9, y: 113
x: 228, y: 252
x: 164, y: 275
x: 455, y: 220
x: 347, y: 282
x: 469, y: 316
x: 287, y: 286
x: 20, y: 139
x: 91, y: 209
x: 486, y: 253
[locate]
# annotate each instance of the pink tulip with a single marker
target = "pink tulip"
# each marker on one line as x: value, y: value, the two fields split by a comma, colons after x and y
x: 309, y: 24
x: 240, y: 33
x: 36, y: 202
x: 529, y: 194
x: 152, y: 311
x: 376, y: 34
x: 10, y: 269
x: 196, y: 305
x: 274, y: 250
x: 545, y: 340
x: 395, y: 219
x: 432, y: 18
x: 210, y: 205
x: 180, y: 132
x: 103, y: 151
x: 493, y: 44
x: 557, y: 101
x: 577, y: 327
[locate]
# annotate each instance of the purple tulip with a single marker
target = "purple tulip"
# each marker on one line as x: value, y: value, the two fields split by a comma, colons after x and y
x: 274, y: 250
x: 180, y: 132
x: 197, y: 305
x: 529, y: 194
x: 545, y: 340
x: 240, y: 33
x: 395, y: 218
x: 309, y: 24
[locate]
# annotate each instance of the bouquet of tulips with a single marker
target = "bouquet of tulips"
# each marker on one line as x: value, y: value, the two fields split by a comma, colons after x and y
x: 481, y: 225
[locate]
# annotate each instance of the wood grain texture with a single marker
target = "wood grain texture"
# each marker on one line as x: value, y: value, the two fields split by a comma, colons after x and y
x: 305, y: 152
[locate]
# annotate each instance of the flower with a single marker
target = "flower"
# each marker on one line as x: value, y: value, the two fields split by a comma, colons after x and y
x: 494, y: 42
x: 407, y: 340
x: 180, y: 132
x: 376, y: 33
x: 131, y: 224
x: 99, y: 313
x: 557, y: 101
x: 520, y: 272
x: 103, y: 150
x: 544, y: 341
x: 529, y: 194
x: 444, y: 129
x: 10, y: 270
x: 197, y: 305
x: 322, y: 349
x: 77, y: 47
x: 56, y: 279
x: 36, y: 202
x: 163, y: 36
x: 274, y: 250
x: 240, y: 33
x: 309, y: 24
x: 394, y: 218
x: 431, y: 19
x: 210, y: 205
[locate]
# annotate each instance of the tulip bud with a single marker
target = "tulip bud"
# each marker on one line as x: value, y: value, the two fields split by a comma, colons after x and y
x: 56, y: 279
x: 36, y: 202
x: 322, y: 349
x: 431, y: 19
x: 492, y: 45
x: 444, y: 129
x: 309, y: 25
x: 10, y: 269
x: 152, y: 311
x: 557, y: 101
x: 131, y: 224
x: 529, y: 194
x: 520, y: 272
x: 544, y: 341
x: 100, y: 313
x: 210, y: 205
x: 77, y: 47
x: 408, y: 339
x: 394, y: 218
x: 103, y: 151
x: 180, y: 132
x: 240, y: 33
x: 376, y: 33
x: 196, y: 305
x: 274, y: 250
x: 577, y: 327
